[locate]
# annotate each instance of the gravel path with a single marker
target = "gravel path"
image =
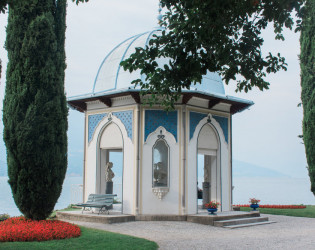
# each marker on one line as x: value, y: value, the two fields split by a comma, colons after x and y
x: 287, y: 233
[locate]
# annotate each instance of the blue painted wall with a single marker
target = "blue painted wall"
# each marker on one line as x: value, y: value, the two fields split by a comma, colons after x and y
x: 126, y: 118
x: 195, y: 118
x: 156, y: 118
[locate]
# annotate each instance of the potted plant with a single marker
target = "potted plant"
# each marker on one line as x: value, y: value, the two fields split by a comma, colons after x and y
x: 212, y: 206
x: 254, y: 203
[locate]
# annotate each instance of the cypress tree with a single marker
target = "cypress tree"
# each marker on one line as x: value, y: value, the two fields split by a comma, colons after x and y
x: 307, y: 63
x: 35, y: 110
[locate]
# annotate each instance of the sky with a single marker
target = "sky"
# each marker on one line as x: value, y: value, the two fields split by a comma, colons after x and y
x: 265, y: 135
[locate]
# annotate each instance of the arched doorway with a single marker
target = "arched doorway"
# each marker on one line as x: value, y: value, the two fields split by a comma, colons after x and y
x: 208, y: 166
x: 110, y: 149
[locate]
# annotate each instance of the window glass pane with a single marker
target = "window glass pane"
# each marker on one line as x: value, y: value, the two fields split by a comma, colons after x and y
x: 160, y: 164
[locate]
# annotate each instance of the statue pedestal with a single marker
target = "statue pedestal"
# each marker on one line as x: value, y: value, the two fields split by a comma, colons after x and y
x: 205, y: 194
x: 109, y: 189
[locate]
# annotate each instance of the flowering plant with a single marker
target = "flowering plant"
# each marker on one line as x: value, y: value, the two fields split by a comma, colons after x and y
x: 22, y: 229
x: 4, y: 217
x: 212, y: 204
x: 275, y: 206
x: 254, y: 201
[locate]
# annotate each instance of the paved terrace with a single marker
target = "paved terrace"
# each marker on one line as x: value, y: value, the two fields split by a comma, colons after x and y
x: 287, y: 233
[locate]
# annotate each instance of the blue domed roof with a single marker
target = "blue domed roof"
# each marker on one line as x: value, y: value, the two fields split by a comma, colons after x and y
x: 112, y: 77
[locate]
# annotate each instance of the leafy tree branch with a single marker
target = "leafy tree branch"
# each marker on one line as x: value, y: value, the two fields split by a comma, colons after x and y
x: 216, y: 36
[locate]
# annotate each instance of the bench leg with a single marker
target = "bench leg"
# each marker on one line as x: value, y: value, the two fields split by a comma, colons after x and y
x: 103, y: 209
x: 99, y: 211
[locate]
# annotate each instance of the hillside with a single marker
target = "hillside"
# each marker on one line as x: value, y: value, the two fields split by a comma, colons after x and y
x: 245, y: 169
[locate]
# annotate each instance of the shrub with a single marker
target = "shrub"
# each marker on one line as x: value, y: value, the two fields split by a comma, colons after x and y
x: 4, y: 217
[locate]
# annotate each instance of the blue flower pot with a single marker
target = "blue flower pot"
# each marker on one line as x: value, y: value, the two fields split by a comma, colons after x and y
x: 212, y: 210
x: 254, y: 206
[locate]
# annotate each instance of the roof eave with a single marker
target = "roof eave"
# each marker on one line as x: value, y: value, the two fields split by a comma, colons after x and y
x: 237, y: 104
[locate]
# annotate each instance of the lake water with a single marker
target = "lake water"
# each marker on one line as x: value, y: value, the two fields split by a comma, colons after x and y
x: 269, y: 190
x: 284, y: 190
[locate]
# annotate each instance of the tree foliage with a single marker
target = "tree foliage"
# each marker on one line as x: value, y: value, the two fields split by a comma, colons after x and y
x: 216, y: 36
x: 307, y: 57
x: 35, y: 108
x: 3, y: 7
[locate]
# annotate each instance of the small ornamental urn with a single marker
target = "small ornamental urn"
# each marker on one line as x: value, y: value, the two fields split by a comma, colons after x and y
x: 254, y: 206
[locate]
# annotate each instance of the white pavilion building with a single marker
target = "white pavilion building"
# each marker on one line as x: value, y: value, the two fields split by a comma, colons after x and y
x: 159, y: 149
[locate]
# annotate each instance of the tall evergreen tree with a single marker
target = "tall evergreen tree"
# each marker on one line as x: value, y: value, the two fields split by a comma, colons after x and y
x: 35, y: 110
x: 307, y: 41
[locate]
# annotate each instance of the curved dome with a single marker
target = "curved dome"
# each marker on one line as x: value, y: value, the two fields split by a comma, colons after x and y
x: 111, y: 76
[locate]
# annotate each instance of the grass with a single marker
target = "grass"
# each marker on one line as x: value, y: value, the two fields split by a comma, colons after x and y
x: 69, y: 208
x: 309, y: 211
x: 89, y: 239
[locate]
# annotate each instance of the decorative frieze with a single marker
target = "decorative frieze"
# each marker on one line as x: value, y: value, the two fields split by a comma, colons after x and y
x: 160, y: 192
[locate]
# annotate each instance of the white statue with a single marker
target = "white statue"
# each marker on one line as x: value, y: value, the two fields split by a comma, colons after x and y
x: 109, y: 174
x: 159, y: 173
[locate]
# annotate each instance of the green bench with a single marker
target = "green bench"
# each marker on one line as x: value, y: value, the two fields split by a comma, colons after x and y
x: 102, y: 201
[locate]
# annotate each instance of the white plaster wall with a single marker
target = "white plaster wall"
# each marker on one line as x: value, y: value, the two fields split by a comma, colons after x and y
x: 215, y: 178
x: 93, y: 105
x: 111, y: 137
x: 226, y: 188
x: 205, y: 140
x: 93, y: 158
x: 122, y: 101
x: 150, y: 202
x: 191, y: 177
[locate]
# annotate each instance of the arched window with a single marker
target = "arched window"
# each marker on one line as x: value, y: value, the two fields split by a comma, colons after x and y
x: 160, y: 164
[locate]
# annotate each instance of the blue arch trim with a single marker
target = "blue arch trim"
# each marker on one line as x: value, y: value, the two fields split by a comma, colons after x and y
x: 157, y: 118
x: 223, y: 121
x: 195, y: 118
x: 93, y: 121
x: 126, y: 118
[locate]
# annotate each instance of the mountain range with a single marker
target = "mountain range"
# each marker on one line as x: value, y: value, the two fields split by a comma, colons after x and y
x: 240, y: 168
x: 245, y: 169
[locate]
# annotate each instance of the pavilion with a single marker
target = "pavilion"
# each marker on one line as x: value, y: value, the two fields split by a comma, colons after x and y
x: 159, y: 149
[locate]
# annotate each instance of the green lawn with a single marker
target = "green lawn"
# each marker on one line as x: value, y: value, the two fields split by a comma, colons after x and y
x: 309, y: 211
x: 69, y: 208
x: 89, y: 239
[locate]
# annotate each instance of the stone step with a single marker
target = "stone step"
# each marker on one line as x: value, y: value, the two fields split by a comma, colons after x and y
x: 207, y: 219
x: 249, y: 224
x: 112, y: 217
x: 223, y: 223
